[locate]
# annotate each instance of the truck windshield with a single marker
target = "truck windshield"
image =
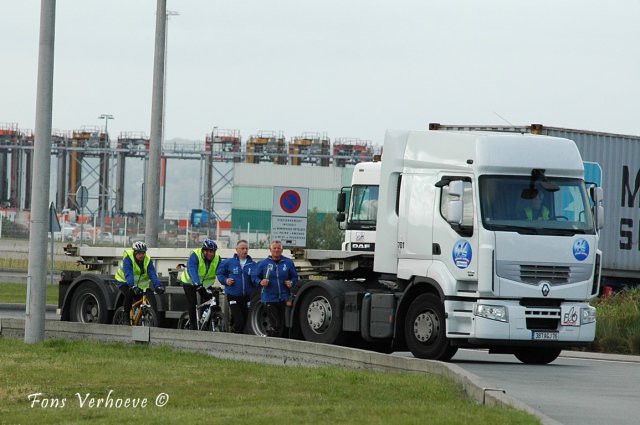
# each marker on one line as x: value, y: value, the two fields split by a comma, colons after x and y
x: 363, y: 208
x: 513, y: 203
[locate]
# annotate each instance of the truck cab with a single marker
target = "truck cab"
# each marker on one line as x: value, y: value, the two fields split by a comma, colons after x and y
x: 456, y: 214
x: 358, y: 216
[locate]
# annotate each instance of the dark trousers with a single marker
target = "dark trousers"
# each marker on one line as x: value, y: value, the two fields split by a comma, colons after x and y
x: 239, y: 311
x: 190, y: 293
x: 275, y: 318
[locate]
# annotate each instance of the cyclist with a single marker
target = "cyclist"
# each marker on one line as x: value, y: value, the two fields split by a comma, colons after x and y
x: 200, y: 274
x: 235, y: 275
x: 134, y: 275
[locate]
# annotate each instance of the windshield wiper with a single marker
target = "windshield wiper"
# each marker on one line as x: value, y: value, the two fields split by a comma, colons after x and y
x: 361, y: 225
x: 563, y: 232
x: 510, y: 228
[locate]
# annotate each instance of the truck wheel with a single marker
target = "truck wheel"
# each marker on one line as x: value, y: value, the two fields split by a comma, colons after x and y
x: 88, y: 305
x: 424, y: 329
x: 257, y: 317
x: 320, y: 317
x: 537, y: 355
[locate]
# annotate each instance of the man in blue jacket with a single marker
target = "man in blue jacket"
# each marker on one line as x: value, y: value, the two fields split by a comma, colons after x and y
x: 277, y: 275
x: 200, y: 274
x: 135, y: 274
x: 235, y: 275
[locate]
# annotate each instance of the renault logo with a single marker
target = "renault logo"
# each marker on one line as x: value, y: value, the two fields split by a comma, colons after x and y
x: 546, y: 288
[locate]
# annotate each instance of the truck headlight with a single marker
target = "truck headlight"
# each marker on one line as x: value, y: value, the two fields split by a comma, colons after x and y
x: 492, y: 312
x: 587, y: 315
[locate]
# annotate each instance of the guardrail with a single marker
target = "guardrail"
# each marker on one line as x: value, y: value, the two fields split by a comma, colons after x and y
x: 274, y: 351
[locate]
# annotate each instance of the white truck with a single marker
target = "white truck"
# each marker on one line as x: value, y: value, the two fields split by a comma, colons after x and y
x: 456, y: 263
x: 360, y: 223
x: 452, y: 221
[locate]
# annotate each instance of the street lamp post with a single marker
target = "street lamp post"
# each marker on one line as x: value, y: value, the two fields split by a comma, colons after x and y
x: 104, y: 170
x: 170, y: 13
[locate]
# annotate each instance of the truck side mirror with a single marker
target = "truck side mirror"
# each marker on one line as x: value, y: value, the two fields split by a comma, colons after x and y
x: 455, y: 188
x: 597, y: 194
x: 340, y: 217
x: 342, y: 202
x: 455, y: 206
x: 454, y: 211
x: 599, y: 217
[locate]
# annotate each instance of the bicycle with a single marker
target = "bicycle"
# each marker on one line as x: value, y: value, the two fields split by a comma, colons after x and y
x: 209, y: 314
x: 141, y: 314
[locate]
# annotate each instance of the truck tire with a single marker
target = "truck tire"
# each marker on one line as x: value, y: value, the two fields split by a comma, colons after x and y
x: 320, y: 317
x: 88, y: 305
x: 537, y: 355
x: 424, y: 329
x: 257, y: 317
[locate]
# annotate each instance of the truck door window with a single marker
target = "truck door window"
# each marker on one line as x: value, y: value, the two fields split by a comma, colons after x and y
x: 466, y: 228
x: 364, y: 206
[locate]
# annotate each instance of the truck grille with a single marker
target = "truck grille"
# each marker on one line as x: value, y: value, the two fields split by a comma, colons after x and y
x: 542, y: 319
x: 533, y: 274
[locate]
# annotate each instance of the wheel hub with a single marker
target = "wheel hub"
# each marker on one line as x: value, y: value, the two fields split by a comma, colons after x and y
x: 90, y: 309
x: 319, y: 314
x: 425, y: 326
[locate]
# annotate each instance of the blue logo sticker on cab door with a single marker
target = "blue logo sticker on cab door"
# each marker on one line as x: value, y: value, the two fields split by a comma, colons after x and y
x: 462, y: 254
x: 581, y: 249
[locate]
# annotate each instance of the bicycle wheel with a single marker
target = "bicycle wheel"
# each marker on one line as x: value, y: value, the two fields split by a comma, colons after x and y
x: 119, y: 317
x: 217, y: 322
x: 149, y: 317
x: 184, y: 321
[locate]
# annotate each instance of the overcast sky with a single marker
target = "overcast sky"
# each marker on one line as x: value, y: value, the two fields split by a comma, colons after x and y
x: 350, y: 68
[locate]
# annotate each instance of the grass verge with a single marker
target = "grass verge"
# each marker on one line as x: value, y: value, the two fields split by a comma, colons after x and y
x: 618, y: 323
x: 16, y: 293
x: 208, y: 390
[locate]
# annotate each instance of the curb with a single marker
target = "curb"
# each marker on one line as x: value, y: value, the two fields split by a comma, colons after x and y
x: 600, y: 356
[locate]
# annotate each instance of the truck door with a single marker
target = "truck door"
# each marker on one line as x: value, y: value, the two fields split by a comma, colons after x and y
x: 415, y: 227
x: 455, y: 238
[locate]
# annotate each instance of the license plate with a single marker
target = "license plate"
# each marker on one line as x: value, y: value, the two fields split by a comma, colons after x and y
x: 544, y: 336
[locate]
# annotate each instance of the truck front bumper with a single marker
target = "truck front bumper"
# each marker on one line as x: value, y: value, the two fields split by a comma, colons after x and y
x: 544, y: 326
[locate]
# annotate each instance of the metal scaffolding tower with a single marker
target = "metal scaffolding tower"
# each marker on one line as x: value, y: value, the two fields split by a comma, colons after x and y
x: 86, y: 157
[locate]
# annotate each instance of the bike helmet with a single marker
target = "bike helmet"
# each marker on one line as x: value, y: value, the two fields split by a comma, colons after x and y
x: 209, y: 244
x: 139, y: 246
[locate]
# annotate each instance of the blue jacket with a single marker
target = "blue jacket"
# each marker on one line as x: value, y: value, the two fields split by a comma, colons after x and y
x: 280, y: 271
x: 230, y: 268
x: 127, y: 268
x: 196, y: 275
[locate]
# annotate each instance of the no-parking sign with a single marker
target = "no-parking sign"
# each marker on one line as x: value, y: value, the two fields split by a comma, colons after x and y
x: 289, y: 215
